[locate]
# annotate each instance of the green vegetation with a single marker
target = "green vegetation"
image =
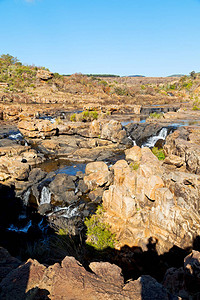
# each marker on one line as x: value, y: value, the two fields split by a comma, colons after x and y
x: 193, y: 75
x: 195, y: 107
x: 85, y: 116
x: 17, y: 75
x: 121, y: 92
x: 159, y: 153
x: 134, y: 166
x: 156, y: 115
x: 73, y: 118
x: 98, y: 232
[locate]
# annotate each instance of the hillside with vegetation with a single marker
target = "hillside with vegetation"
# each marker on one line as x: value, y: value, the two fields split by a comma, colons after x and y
x: 34, y: 84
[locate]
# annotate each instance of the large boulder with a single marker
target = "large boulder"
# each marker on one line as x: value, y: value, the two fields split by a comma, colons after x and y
x: 63, y: 188
x: 10, y: 167
x: 113, y: 131
x: 97, y: 174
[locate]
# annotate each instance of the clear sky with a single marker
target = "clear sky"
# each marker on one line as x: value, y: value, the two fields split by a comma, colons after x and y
x: 148, y: 37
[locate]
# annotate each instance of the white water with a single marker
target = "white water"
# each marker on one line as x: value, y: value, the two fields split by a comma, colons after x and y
x: 51, y: 119
x: 26, y: 196
x: 133, y: 141
x: 66, y: 212
x: 45, y: 196
x: 152, y: 140
x: 15, y: 136
x: 23, y: 229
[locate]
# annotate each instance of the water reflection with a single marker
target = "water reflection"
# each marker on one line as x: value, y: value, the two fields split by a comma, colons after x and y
x: 62, y: 166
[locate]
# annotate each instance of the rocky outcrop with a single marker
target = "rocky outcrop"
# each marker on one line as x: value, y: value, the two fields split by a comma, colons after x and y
x: 37, y: 128
x: 79, y: 141
x: 183, y: 148
x: 185, y: 188
x: 106, y: 130
x: 63, y: 189
x: 141, y: 204
x: 113, y: 131
x: 71, y: 281
x: 16, y: 159
x: 44, y: 75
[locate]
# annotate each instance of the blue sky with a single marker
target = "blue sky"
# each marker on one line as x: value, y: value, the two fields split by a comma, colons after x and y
x: 148, y: 37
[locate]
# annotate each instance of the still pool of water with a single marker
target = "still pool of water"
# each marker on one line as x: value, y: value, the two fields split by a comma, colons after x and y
x: 62, y: 166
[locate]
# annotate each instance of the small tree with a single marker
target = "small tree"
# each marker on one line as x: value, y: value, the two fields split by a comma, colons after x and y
x: 193, y: 75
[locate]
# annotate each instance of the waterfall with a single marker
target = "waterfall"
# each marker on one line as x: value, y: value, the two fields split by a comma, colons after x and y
x: 45, y: 196
x: 152, y: 140
x: 26, y: 196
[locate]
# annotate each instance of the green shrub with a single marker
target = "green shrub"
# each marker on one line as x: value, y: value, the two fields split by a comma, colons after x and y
x: 195, y: 107
x: 172, y: 86
x: 159, y: 153
x: 103, y: 82
x: 73, y: 118
x: 121, y: 92
x: 93, y: 115
x: 85, y: 116
x: 156, y: 115
x: 134, y: 166
x: 98, y: 232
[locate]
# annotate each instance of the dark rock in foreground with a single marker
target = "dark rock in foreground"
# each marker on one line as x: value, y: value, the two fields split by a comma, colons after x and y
x: 70, y: 280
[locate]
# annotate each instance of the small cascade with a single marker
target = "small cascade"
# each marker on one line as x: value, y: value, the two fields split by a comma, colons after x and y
x: 133, y: 141
x: 65, y: 212
x: 45, y: 197
x: 26, y: 196
x: 152, y: 140
x: 16, y: 136
x: 70, y: 212
x: 49, y: 118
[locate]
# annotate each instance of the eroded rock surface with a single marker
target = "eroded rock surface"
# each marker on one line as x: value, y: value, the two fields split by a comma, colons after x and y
x: 141, y: 203
x: 71, y: 281
x: 184, y: 145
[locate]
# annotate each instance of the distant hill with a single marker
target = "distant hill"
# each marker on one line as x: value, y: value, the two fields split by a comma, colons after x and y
x: 135, y: 76
x: 176, y: 75
x: 102, y: 75
x: 96, y: 75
